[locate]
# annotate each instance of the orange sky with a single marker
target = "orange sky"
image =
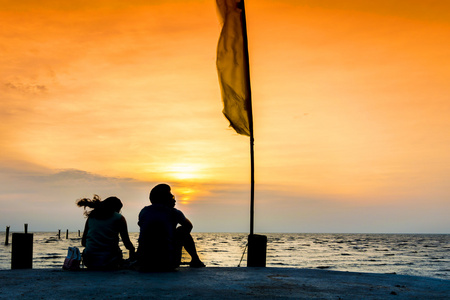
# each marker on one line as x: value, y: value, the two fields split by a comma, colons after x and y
x: 351, y: 105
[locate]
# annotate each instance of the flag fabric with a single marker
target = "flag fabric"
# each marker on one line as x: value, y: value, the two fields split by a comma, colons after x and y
x: 232, y: 66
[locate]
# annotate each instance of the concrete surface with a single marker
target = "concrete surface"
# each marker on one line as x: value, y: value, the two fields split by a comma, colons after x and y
x: 218, y: 283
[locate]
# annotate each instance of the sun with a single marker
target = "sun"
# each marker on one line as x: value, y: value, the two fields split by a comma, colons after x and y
x: 184, y: 171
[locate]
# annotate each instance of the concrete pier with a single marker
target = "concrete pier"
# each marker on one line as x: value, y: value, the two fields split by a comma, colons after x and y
x: 218, y: 283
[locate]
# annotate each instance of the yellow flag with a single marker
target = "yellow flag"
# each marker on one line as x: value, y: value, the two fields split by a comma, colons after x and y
x: 232, y: 66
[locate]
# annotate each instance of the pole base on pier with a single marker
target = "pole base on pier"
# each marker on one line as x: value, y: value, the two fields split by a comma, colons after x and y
x: 257, y: 247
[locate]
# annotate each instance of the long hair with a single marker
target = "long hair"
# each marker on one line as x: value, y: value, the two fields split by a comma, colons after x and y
x: 100, y: 209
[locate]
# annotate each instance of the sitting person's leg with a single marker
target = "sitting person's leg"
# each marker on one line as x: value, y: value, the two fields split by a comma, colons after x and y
x: 185, y: 240
x: 189, y: 246
x: 103, y: 260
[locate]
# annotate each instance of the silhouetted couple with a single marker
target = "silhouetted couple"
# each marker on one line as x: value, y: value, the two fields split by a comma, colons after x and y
x: 160, y: 239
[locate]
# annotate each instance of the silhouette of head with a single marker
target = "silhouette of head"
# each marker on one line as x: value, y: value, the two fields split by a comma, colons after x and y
x: 161, y: 194
x: 100, y: 209
x: 112, y: 204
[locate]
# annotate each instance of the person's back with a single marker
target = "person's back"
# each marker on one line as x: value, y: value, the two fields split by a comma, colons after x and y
x: 101, y: 233
x: 156, y: 239
x: 160, y: 240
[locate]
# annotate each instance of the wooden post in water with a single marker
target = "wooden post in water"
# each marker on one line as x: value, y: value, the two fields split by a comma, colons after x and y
x: 79, y: 234
x: 7, y: 236
x: 22, y: 250
x: 59, y: 234
x: 67, y: 234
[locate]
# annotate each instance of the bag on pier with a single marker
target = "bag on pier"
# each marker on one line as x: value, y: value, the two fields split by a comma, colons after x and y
x: 73, y: 259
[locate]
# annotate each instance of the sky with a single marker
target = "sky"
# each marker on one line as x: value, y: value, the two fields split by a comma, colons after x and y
x: 351, y: 105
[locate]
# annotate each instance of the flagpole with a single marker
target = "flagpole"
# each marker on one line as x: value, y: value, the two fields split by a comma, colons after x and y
x: 234, y: 78
x: 257, y: 244
x: 250, y: 119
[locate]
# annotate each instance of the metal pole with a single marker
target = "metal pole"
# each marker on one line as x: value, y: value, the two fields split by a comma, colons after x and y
x: 257, y: 244
x: 250, y: 118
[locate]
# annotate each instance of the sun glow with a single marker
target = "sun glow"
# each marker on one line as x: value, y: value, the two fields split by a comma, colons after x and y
x: 184, y: 194
x: 184, y: 171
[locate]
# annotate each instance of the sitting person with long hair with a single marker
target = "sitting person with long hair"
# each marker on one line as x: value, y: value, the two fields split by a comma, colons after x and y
x: 101, y: 233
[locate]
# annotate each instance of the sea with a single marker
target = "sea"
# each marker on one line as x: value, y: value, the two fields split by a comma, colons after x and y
x: 407, y: 254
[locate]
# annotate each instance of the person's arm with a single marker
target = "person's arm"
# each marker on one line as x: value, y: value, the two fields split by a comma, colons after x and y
x: 125, y: 237
x: 86, y: 228
x: 186, y: 225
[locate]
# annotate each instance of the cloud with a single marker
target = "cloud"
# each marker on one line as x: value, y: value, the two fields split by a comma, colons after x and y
x: 45, y: 199
x: 26, y: 88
